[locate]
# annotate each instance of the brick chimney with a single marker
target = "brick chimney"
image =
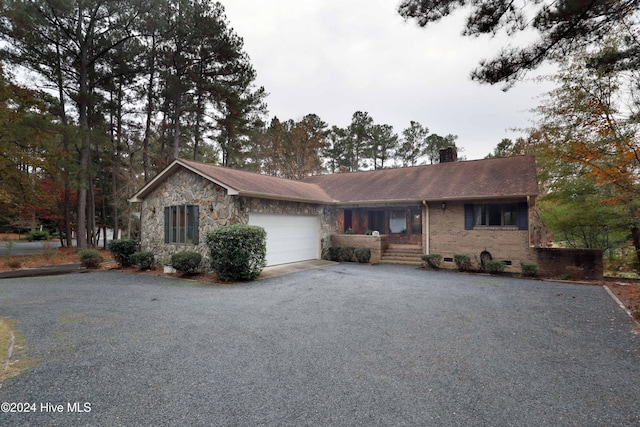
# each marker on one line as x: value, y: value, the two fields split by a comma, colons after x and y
x: 449, y: 154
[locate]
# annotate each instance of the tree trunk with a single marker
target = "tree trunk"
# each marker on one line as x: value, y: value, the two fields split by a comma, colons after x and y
x: 65, y: 147
x: 176, y: 127
x: 635, y: 236
x: 83, y: 121
x: 115, y: 160
x: 147, y: 128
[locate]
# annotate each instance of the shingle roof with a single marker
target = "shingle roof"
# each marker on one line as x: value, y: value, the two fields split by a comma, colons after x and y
x: 238, y: 182
x: 255, y: 184
x: 475, y: 179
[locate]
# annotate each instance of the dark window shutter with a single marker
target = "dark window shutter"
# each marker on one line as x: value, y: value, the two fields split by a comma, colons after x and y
x: 523, y: 216
x: 468, y: 217
x: 166, y: 224
x: 195, y: 223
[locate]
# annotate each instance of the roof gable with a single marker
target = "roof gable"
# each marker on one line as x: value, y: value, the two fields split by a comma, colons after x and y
x: 475, y: 179
x: 242, y: 183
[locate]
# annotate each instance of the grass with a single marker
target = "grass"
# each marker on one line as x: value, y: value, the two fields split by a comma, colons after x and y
x: 13, y: 357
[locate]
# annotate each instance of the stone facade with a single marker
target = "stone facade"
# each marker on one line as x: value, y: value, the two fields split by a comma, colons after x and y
x: 216, y: 209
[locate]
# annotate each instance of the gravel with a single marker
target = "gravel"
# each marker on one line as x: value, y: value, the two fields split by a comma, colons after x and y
x: 346, y: 344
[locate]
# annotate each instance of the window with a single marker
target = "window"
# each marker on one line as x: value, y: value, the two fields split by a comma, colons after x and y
x: 496, y: 215
x: 181, y: 224
x: 398, y: 222
x: 416, y: 221
x: 348, y: 219
x: 376, y: 221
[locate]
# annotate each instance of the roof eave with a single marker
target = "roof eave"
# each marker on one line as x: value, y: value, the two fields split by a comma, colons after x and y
x: 259, y: 195
x: 481, y: 197
x: 437, y: 199
x: 139, y: 196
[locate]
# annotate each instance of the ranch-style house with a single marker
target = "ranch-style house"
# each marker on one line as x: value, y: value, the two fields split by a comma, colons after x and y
x: 453, y: 207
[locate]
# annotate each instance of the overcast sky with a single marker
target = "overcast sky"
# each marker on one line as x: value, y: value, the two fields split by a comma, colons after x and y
x: 335, y: 57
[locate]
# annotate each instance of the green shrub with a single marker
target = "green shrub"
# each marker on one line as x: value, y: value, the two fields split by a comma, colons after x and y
x: 432, y: 260
x: 363, y: 254
x: 90, y: 258
x: 186, y: 262
x: 37, y: 235
x: 332, y: 253
x: 238, y: 252
x: 346, y: 254
x: 146, y: 260
x: 529, y: 269
x: 495, y: 267
x: 463, y: 262
x: 122, y: 250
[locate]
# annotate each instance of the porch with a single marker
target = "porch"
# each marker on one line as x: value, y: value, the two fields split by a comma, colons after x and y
x: 381, y: 250
x: 401, y: 224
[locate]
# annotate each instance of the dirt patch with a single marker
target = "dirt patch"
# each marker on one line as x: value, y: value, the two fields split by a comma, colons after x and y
x: 5, y: 237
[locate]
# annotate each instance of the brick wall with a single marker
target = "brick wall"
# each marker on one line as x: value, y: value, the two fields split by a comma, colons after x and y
x: 577, y: 264
x: 447, y: 237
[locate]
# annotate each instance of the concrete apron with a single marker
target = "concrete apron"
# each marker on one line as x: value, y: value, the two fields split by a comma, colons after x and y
x: 279, y: 270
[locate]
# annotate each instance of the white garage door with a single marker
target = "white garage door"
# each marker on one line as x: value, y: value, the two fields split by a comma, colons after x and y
x: 290, y: 238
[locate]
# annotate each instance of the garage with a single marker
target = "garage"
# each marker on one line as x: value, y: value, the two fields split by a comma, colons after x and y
x: 290, y: 238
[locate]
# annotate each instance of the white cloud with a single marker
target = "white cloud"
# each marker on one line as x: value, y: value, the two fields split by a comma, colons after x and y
x: 335, y: 57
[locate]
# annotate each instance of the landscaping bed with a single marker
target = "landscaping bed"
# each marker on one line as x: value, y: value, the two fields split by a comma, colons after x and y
x: 628, y: 292
x: 48, y: 257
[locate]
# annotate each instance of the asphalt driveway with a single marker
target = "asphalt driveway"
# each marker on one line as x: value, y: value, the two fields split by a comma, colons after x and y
x: 340, y: 345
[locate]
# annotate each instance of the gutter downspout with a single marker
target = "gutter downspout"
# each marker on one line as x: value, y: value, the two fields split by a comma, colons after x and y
x: 425, y: 228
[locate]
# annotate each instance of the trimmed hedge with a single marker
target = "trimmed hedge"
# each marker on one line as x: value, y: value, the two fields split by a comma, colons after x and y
x: 90, y: 258
x: 432, y: 260
x: 349, y: 254
x: 463, y: 262
x: 495, y: 267
x: 237, y: 252
x: 363, y: 255
x: 529, y: 269
x: 122, y: 249
x: 186, y: 262
x: 146, y: 260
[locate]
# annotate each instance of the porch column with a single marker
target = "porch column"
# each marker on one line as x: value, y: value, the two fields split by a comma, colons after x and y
x: 425, y: 228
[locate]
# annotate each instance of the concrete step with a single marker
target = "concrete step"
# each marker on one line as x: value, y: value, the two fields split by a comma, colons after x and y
x: 415, y: 263
x: 403, y: 255
x: 404, y: 252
